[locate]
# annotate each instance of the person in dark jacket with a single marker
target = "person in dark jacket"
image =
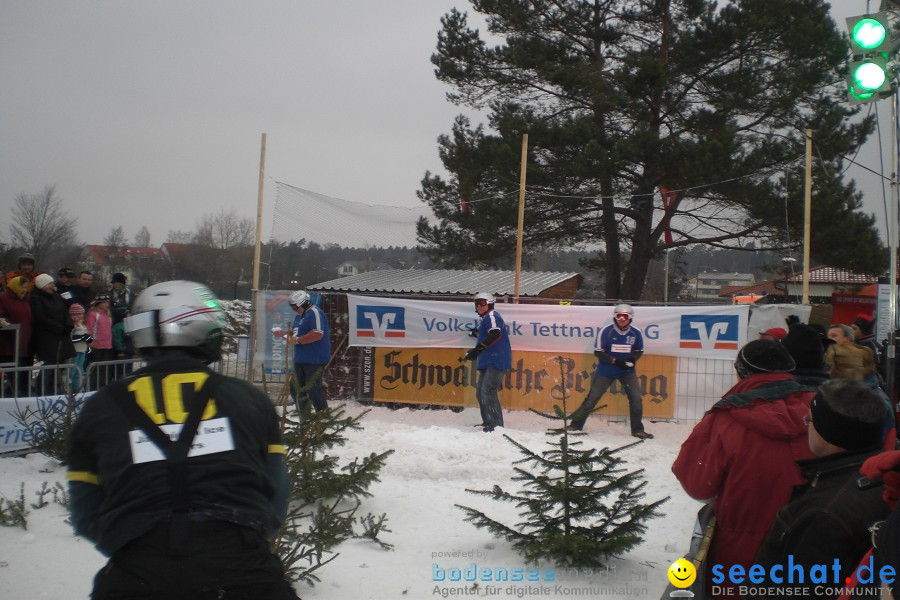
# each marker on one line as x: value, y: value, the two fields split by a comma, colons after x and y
x: 179, y: 526
x: 65, y: 285
x: 828, y: 517
x: 51, y: 342
x: 805, y: 345
x: 16, y: 309
x: 741, y: 455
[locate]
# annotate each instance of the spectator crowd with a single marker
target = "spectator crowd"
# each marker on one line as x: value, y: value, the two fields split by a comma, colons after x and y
x: 68, y: 319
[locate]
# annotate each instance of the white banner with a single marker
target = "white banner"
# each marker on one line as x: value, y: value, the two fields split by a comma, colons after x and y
x: 715, y: 331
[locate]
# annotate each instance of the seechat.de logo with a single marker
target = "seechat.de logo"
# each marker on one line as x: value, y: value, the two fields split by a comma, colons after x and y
x: 380, y: 321
x: 709, y: 332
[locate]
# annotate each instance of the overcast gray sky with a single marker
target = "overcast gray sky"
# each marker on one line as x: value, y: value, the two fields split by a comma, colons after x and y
x: 150, y: 112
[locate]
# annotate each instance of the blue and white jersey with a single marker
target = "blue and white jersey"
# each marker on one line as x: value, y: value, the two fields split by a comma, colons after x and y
x: 318, y: 352
x: 498, y: 354
x: 618, y: 344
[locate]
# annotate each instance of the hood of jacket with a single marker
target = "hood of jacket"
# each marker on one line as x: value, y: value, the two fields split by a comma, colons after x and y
x: 779, y: 418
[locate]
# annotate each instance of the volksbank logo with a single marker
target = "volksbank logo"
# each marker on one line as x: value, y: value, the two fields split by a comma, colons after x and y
x: 709, y: 332
x: 380, y: 321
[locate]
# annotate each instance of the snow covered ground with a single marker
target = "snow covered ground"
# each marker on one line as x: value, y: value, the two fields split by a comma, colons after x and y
x: 437, y: 455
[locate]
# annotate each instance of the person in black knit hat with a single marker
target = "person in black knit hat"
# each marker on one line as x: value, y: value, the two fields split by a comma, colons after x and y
x: 804, y: 344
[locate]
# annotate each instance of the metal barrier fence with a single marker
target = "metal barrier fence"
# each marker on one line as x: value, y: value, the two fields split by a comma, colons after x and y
x: 48, y: 380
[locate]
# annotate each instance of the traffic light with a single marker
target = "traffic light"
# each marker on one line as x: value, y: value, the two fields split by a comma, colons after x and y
x: 870, y: 71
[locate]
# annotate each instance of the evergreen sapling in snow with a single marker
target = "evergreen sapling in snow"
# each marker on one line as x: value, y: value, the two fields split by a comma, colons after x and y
x: 578, y: 505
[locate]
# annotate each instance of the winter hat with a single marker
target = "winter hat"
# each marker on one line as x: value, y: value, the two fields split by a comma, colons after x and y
x: 763, y: 356
x: 848, y: 431
x: 865, y: 323
x: 776, y: 333
x: 804, y: 344
x: 76, y: 310
x: 66, y: 272
x: 119, y: 278
x: 99, y: 298
x: 41, y: 281
x: 25, y: 258
x: 19, y: 286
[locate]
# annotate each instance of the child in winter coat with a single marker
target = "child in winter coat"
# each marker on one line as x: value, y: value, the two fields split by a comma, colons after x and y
x: 99, y: 325
x: 80, y: 338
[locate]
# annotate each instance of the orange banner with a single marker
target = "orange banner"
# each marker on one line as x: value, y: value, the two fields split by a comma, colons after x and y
x: 435, y: 376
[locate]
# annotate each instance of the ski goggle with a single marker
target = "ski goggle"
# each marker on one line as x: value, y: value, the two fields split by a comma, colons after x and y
x: 481, y: 303
x: 622, y: 316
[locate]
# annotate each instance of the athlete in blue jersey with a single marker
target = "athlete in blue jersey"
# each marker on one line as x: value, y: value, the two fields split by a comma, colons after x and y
x: 312, y: 351
x: 618, y: 348
x: 494, y: 358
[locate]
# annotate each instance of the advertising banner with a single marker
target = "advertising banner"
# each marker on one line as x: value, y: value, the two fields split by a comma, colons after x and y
x: 273, y: 323
x: 716, y: 331
x: 537, y: 380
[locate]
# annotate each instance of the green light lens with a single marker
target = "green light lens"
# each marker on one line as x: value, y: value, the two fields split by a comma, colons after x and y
x: 869, y: 76
x: 869, y: 33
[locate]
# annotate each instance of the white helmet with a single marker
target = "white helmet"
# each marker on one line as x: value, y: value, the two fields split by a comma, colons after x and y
x: 623, y: 309
x: 177, y: 314
x: 489, y: 298
x: 299, y: 298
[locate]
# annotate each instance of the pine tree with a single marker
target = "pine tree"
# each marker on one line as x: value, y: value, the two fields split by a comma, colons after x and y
x: 325, y: 496
x: 578, y: 505
x: 624, y: 99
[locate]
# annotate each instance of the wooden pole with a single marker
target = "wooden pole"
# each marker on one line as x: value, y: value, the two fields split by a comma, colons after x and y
x: 254, y: 292
x: 521, y: 226
x: 807, y: 216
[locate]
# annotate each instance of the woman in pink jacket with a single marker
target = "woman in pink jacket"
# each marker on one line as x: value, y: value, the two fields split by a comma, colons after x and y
x: 741, y: 456
x: 99, y: 325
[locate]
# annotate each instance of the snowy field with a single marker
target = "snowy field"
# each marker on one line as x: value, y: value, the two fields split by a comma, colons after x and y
x: 437, y: 455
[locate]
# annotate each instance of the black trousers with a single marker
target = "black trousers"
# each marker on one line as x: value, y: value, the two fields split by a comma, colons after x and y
x: 222, y: 561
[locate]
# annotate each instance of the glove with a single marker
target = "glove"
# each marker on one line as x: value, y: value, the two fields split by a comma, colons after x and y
x: 474, y: 352
x: 622, y: 364
x: 884, y: 466
x: 792, y: 320
x: 473, y: 333
x: 3, y: 322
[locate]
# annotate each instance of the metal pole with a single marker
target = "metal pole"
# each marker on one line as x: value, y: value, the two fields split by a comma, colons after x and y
x: 892, y: 243
x: 807, y: 216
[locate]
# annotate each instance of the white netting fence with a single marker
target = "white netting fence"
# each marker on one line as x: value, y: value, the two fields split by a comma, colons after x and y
x: 302, y: 214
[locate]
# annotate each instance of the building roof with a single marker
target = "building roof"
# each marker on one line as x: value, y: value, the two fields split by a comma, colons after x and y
x: 725, y: 276
x: 100, y: 254
x: 826, y: 274
x: 760, y: 289
x: 439, y: 281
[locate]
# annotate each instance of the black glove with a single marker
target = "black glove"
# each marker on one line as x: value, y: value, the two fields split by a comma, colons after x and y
x: 474, y: 352
x: 792, y: 320
x: 622, y: 364
x: 473, y: 333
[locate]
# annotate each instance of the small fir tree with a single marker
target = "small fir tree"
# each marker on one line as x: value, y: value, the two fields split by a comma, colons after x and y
x: 324, y: 495
x: 579, y: 506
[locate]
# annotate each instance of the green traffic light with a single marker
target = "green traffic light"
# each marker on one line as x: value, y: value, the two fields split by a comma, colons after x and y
x: 869, y: 76
x: 868, y: 33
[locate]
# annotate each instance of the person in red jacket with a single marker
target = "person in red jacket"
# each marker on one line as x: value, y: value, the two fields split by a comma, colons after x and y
x: 15, y: 309
x: 741, y: 455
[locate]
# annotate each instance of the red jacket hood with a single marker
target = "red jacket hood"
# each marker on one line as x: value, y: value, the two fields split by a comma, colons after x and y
x: 775, y: 419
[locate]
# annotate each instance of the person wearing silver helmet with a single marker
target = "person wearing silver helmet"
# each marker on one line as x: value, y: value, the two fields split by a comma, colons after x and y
x: 493, y: 358
x: 617, y: 348
x: 177, y: 472
x: 312, y: 350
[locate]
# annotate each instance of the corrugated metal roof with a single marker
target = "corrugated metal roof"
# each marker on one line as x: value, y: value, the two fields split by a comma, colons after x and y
x: 440, y: 281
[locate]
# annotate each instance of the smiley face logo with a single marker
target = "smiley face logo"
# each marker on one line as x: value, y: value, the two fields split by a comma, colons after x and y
x: 682, y: 573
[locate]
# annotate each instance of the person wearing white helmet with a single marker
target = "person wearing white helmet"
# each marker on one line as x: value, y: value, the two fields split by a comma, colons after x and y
x: 493, y: 358
x: 617, y: 348
x: 177, y: 472
x: 312, y: 351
